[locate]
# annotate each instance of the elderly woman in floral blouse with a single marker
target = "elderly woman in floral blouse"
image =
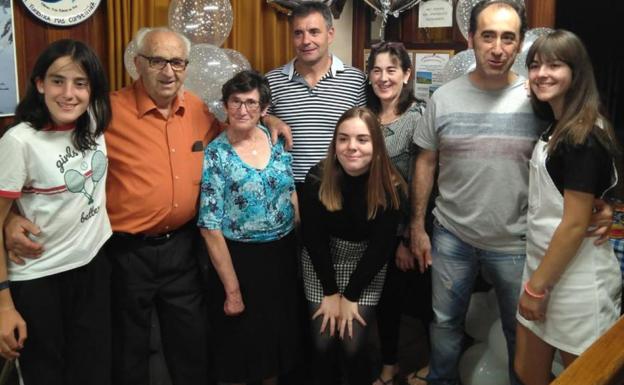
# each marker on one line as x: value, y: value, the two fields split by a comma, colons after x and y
x: 247, y: 219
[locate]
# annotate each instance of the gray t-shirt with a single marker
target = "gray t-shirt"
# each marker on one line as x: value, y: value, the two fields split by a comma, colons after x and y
x: 484, y: 141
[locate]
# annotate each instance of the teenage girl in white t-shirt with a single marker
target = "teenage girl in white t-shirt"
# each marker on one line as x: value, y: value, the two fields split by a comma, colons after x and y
x: 54, y: 309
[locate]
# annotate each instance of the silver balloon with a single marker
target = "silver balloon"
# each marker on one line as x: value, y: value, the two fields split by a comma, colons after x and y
x: 389, y: 7
x: 238, y: 60
x: 209, y: 68
x: 462, y: 14
x: 530, y: 36
x: 462, y: 63
x: 217, y: 108
x: 129, y: 55
x: 202, y: 21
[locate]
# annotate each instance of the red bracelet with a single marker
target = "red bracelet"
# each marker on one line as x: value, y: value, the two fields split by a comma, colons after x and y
x: 532, y: 294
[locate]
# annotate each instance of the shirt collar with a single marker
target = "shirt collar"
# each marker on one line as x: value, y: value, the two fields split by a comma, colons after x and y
x: 145, y: 104
x: 336, y: 66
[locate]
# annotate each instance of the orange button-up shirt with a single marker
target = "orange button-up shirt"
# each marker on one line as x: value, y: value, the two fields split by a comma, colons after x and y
x: 155, y: 163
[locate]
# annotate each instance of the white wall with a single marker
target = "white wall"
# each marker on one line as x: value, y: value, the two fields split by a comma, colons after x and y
x: 341, y: 46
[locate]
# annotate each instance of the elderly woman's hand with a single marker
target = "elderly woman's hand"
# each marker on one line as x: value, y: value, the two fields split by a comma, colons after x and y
x: 330, y: 310
x: 233, y: 303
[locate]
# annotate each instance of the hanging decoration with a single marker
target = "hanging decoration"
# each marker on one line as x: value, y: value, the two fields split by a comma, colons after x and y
x: 202, y: 21
x: 383, y: 8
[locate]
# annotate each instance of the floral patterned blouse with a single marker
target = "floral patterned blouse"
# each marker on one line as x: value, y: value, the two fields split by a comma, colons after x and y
x: 247, y: 204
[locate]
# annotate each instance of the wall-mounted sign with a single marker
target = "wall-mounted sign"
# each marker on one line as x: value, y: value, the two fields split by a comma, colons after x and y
x: 8, y: 75
x: 62, y: 12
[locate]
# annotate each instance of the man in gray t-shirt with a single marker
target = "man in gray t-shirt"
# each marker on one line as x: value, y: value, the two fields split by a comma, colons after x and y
x: 480, y: 130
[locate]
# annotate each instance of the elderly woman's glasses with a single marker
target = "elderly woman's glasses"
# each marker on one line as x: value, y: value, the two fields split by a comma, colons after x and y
x: 158, y: 63
x: 250, y: 104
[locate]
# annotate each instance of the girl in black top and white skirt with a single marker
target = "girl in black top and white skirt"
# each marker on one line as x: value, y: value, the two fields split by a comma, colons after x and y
x: 350, y: 210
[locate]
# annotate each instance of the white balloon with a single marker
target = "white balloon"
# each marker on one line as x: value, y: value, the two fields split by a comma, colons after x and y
x: 497, y: 342
x: 217, y: 108
x: 477, y: 366
x: 479, y: 317
x: 530, y: 36
x: 202, y: 21
x: 129, y: 55
x: 209, y: 68
x: 460, y: 64
x: 238, y: 60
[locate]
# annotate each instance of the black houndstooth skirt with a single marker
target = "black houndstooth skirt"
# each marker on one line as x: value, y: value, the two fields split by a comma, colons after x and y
x: 345, y: 256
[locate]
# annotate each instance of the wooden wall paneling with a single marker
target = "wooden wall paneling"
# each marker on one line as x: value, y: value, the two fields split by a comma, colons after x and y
x: 32, y: 36
x: 541, y: 13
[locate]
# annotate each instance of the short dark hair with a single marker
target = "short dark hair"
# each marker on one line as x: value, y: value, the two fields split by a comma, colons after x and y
x: 399, y: 54
x: 245, y: 81
x: 306, y: 8
x: 516, y: 6
x: 32, y: 108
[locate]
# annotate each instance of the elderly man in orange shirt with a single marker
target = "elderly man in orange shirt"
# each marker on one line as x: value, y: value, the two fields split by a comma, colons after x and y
x: 155, y: 147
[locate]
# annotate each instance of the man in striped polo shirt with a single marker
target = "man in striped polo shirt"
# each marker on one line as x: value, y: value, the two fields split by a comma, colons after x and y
x: 313, y: 90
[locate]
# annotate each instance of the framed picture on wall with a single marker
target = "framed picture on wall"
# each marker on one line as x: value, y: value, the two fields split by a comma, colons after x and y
x: 8, y: 74
x: 428, y: 68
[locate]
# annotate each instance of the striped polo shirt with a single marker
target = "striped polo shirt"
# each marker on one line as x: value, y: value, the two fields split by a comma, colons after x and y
x: 312, y: 112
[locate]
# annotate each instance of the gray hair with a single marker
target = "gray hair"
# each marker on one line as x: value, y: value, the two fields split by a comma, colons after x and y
x: 141, y: 34
x: 307, y: 8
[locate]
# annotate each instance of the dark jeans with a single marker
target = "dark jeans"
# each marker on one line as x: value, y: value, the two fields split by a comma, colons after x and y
x: 68, y: 320
x: 163, y: 277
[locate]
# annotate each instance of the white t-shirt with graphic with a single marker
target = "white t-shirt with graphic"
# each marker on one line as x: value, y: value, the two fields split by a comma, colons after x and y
x: 59, y: 188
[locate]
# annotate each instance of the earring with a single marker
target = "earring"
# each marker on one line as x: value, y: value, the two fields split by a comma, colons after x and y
x: 405, y: 82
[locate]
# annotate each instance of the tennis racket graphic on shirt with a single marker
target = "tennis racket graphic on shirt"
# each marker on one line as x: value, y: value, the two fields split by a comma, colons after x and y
x: 76, y: 181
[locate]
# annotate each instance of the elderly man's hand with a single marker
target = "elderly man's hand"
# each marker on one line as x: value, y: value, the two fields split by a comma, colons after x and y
x: 16, y: 238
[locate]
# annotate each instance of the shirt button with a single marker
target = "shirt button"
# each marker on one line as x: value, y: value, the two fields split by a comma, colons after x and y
x: 166, y: 227
x: 175, y: 205
x: 173, y: 150
x: 177, y: 177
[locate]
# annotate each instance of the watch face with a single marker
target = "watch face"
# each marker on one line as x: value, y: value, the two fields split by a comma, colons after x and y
x: 62, y: 12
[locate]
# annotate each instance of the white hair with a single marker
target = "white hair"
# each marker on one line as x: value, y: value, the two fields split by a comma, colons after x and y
x: 141, y: 34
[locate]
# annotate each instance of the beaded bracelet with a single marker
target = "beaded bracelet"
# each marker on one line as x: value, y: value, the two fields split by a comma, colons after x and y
x: 531, y: 293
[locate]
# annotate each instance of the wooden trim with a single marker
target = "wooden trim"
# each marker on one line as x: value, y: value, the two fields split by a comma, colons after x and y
x: 541, y: 13
x: 601, y: 364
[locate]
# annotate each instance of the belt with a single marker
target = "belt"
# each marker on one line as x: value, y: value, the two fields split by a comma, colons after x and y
x: 154, y: 239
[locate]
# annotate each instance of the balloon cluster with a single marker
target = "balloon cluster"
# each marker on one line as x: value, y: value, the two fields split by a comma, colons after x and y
x: 389, y: 7
x: 207, y: 23
x: 486, y: 361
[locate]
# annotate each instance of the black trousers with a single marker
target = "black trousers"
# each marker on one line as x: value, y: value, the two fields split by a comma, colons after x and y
x: 68, y: 320
x: 164, y: 278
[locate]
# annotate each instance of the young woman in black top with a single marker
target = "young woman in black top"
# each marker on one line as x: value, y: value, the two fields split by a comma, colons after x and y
x: 350, y: 209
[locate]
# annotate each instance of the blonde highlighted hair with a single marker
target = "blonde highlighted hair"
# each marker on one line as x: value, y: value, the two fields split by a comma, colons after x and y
x: 384, y: 184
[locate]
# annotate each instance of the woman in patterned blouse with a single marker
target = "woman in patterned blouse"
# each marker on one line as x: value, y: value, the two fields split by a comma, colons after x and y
x: 390, y: 95
x: 247, y: 218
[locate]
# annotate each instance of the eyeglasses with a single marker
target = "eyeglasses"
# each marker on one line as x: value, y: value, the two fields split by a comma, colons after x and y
x: 250, y: 104
x: 388, y: 44
x: 158, y: 63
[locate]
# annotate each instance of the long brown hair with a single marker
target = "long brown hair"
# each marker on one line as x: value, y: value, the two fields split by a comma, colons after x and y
x: 384, y: 183
x: 581, y: 105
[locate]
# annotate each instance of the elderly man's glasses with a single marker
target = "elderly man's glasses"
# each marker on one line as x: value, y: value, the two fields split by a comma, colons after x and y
x: 158, y: 63
x: 250, y: 104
